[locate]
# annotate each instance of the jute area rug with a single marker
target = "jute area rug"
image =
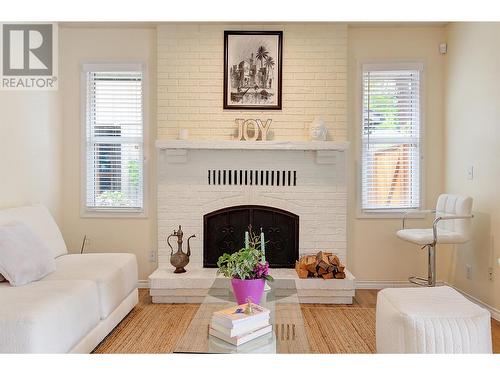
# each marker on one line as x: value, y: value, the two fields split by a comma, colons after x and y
x: 155, y: 328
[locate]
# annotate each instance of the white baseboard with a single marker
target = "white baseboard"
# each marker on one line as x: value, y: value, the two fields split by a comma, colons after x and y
x: 143, y: 284
x: 380, y: 284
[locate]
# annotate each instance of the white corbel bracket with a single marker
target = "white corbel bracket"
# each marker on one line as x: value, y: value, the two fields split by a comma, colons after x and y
x: 176, y: 156
x: 326, y: 157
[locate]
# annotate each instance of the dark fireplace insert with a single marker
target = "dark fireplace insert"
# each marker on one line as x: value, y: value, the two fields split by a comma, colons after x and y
x: 224, y: 232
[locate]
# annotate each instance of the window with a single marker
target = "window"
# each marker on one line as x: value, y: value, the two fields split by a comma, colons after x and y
x: 114, y: 138
x: 391, y: 140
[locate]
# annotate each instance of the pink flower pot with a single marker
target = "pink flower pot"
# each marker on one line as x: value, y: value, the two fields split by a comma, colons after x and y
x: 244, y: 289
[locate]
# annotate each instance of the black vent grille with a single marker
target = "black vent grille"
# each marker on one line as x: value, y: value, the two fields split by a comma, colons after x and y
x: 255, y: 177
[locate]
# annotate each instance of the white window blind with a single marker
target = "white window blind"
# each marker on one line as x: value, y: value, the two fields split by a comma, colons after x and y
x: 114, y: 140
x: 390, y: 139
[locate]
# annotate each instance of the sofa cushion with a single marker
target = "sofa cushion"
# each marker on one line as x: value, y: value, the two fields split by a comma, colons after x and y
x: 46, y: 316
x: 115, y: 275
x: 39, y: 219
x: 24, y: 258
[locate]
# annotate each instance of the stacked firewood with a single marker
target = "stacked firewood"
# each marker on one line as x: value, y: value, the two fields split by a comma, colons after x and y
x: 324, y: 264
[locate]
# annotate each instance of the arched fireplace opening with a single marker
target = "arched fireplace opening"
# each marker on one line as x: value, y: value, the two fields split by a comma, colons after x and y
x: 224, y: 232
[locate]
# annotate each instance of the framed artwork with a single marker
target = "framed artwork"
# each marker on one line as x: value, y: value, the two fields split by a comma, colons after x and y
x: 252, y: 69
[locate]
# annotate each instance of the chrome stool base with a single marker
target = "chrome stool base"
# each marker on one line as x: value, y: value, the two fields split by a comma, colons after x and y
x: 421, y: 281
x: 430, y: 280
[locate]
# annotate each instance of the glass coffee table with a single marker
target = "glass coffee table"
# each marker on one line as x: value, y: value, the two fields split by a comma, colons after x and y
x: 288, y: 335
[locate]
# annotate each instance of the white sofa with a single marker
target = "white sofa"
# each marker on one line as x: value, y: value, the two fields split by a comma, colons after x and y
x: 71, y: 309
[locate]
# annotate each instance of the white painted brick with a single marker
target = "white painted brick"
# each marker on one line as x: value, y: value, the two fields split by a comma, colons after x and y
x: 184, y: 197
x: 190, y: 60
x: 190, y: 96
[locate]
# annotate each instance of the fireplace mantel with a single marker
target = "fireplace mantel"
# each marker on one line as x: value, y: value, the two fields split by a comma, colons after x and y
x: 168, y: 144
x: 177, y: 150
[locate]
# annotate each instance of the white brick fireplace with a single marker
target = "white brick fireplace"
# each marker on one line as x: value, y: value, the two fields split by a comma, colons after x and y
x: 195, y: 178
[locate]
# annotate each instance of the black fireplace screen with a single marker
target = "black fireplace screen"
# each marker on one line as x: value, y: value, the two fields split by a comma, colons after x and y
x: 224, y: 232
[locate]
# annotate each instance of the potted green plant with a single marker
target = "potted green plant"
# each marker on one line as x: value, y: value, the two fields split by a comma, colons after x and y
x: 247, y: 269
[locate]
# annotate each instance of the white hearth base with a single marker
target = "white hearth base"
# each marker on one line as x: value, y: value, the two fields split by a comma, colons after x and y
x: 193, y: 286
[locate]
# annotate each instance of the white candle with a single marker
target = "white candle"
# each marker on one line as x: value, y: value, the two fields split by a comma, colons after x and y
x: 262, y: 245
x: 183, y: 134
x: 246, y: 240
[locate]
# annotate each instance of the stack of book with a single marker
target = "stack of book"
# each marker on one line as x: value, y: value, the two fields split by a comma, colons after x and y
x: 237, y: 327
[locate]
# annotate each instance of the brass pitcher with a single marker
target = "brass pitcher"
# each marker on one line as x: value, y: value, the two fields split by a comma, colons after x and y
x: 180, y: 259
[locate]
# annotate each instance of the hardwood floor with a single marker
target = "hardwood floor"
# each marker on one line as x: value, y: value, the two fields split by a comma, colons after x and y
x: 155, y: 328
x: 495, y: 335
x: 365, y: 298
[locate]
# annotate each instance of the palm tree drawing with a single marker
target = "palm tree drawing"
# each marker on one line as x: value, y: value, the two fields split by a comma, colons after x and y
x: 269, y: 64
x: 261, y: 54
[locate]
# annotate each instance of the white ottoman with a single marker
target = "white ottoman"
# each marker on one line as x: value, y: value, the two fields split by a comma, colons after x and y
x: 430, y: 320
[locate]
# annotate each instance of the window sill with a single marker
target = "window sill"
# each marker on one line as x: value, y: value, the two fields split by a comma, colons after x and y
x: 113, y: 214
x: 389, y: 215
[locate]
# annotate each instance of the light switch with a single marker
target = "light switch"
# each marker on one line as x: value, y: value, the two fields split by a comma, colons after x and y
x: 470, y: 172
x: 443, y: 48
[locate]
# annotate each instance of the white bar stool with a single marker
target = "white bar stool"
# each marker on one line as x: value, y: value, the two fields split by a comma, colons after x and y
x: 451, y: 226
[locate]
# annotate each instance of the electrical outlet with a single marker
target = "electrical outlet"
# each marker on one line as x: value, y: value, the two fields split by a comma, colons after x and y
x: 470, y: 172
x: 490, y: 273
x: 468, y: 271
x: 152, y: 256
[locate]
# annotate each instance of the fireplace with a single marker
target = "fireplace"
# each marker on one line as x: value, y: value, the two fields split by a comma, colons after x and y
x: 215, y: 188
x: 224, y: 229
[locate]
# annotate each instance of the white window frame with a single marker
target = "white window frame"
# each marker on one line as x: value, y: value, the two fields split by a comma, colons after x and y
x: 389, y: 65
x: 113, y: 212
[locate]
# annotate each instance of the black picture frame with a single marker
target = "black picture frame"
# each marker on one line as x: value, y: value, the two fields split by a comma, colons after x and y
x: 252, y: 87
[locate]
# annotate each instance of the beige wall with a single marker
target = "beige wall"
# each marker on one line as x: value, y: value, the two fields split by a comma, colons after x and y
x: 30, y: 147
x: 190, y: 80
x: 473, y: 138
x: 41, y: 145
x: 78, y: 45
x: 316, y: 59
x: 374, y: 252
